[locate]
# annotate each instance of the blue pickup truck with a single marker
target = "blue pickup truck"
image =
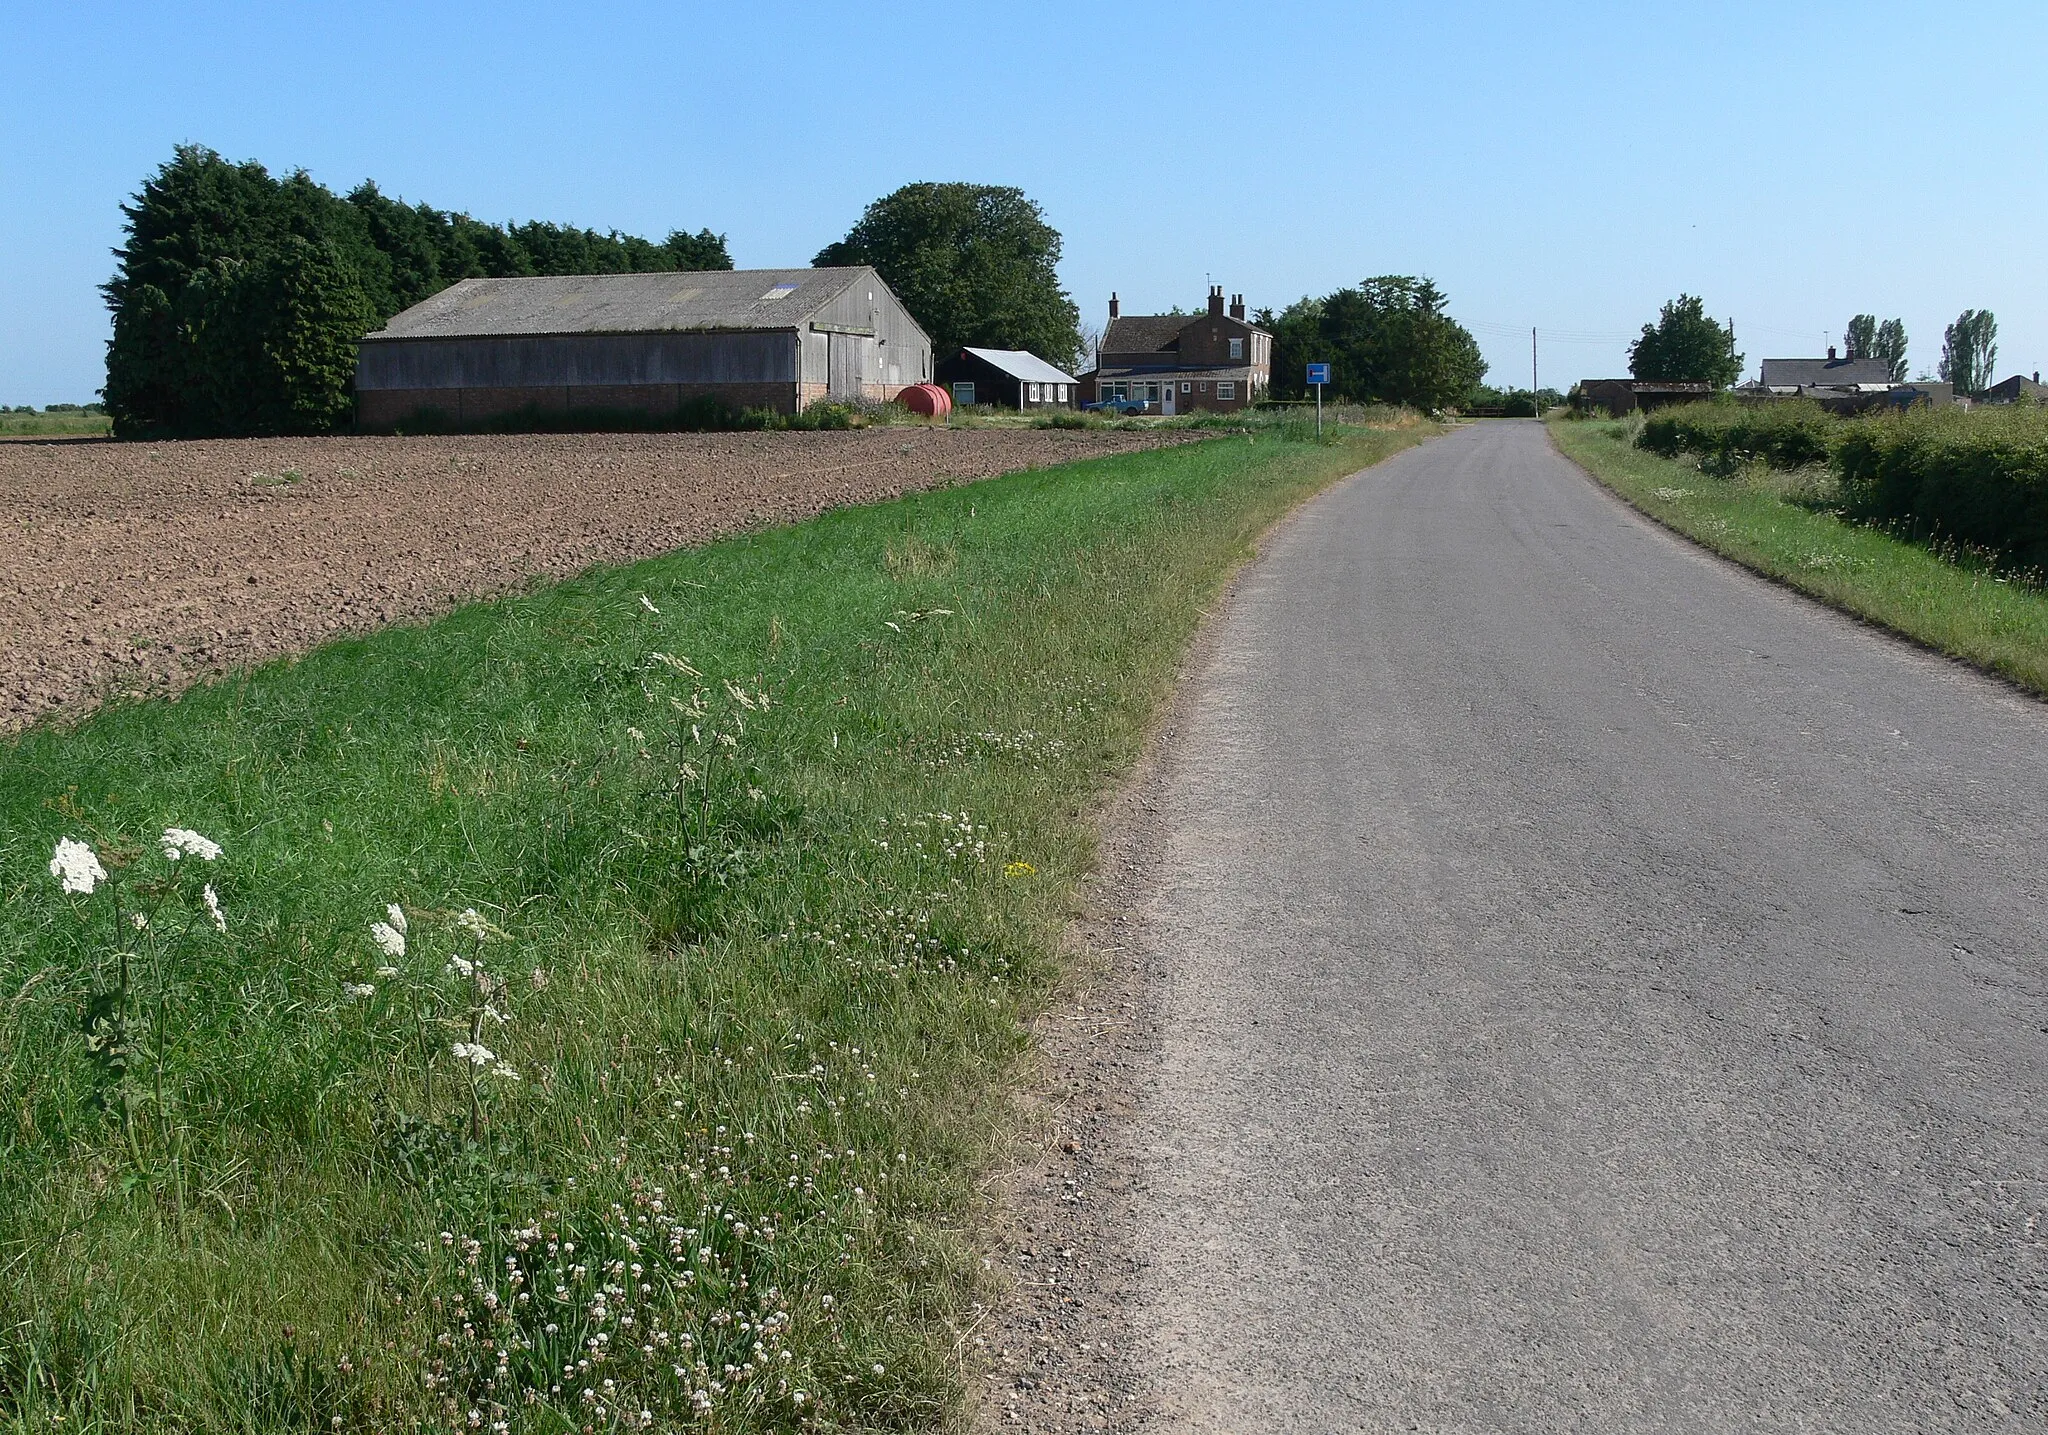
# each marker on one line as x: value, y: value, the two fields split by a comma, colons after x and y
x: 1117, y: 406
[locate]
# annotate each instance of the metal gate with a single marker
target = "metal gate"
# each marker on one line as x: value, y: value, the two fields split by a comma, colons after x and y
x: 843, y: 356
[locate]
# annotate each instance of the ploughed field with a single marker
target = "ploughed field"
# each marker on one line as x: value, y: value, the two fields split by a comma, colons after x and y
x: 129, y: 568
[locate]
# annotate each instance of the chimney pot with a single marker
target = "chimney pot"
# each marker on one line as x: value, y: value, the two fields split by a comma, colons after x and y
x: 1215, y: 301
x: 1237, y: 307
x: 1113, y: 307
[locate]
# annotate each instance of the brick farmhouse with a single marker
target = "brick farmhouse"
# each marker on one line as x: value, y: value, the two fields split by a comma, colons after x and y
x: 1174, y: 363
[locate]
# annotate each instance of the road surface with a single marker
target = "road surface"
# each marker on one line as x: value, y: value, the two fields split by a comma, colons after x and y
x: 1604, y: 992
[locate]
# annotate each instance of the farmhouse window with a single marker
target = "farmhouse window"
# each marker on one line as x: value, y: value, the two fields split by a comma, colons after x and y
x: 1237, y: 348
x: 1036, y: 393
x: 1225, y: 391
x: 1186, y: 387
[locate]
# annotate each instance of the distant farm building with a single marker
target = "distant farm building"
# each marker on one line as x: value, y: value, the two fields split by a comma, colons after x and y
x: 1009, y: 378
x: 777, y: 339
x: 1173, y: 363
x: 1789, y: 377
x: 2018, y: 387
x: 1627, y: 396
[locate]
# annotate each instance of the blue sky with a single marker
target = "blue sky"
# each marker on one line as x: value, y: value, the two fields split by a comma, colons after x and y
x: 1563, y: 167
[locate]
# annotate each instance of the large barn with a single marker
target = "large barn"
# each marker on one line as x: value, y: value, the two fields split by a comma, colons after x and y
x: 779, y: 339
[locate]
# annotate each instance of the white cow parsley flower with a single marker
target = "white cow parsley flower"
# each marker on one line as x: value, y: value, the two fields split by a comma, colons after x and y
x: 472, y: 922
x: 359, y: 990
x: 461, y: 966
x: 76, y: 866
x: 396, y: 914
x: 184, y: 842
x: 473, y: 1052
x: 390, y: 941
x: 220, y: 922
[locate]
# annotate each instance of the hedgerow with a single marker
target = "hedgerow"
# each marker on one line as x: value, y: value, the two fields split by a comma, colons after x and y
x: 1977, y: 478
x: 1974, y: 478
x: 1788, y: 434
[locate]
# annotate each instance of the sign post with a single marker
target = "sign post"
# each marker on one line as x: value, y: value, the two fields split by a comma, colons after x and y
x: 1319, y: 374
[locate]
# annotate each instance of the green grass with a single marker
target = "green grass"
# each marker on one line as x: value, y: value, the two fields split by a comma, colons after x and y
x: 762, y: 1008
x: 54, y: 424
x: 1781, y: 525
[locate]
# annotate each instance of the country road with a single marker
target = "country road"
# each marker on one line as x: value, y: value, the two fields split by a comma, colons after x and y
x: 1600, y: 992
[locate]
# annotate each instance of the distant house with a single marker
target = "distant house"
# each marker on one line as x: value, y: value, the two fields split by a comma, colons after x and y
x: 1627, y: 396
x: 779, y: 339
x: 1011, y: 378
x: 1800, y: 377
x: 1173, y: 363
x: 2016, y: 388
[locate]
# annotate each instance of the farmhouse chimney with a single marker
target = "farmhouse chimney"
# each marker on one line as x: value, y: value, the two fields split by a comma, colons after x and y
x: 1215, y: 301
x: 1831, y: 353
x: 1114, y: 308
x: 1237, y: 307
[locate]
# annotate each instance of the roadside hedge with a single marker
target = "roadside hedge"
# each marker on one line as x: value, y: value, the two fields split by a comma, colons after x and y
x: 1785, y: 434
x: 1978, y: 478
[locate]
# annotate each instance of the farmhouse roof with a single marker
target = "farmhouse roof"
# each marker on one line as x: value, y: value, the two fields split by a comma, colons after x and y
x: 1021, y: 364
x: 1825, y: 373
x: 714, y: 299
x: 1144, y: 333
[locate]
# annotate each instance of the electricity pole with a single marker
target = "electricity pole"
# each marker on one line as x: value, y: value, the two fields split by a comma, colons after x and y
x: 1538, y: 403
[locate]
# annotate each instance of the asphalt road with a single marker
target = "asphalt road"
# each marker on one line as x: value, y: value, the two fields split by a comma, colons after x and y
x: 1605, y: 992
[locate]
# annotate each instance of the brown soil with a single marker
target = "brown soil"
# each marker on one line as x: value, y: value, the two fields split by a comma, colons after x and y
x: 138, y: 567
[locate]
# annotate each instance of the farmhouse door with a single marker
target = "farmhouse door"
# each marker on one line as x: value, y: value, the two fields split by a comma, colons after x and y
x: 843, y: 365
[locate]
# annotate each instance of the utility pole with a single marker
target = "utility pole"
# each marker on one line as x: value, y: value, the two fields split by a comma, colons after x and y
x: 1533, y: 399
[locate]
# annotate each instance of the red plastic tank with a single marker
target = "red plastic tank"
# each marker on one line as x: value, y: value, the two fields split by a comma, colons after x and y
x: 927, y: 399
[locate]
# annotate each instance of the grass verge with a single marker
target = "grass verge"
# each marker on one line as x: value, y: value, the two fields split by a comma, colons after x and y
x: 1779, y: 525
x: 714, y: 894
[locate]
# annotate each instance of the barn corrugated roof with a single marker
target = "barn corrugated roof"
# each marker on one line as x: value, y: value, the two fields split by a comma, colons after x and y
x: 1144, y: 333
x: 725, y: 299
x: 1022, y: 364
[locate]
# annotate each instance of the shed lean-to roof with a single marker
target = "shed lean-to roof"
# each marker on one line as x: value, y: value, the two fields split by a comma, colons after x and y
x: 1824, y: 373
x: 707, y: 299
x: 1021, y: 364
x: 1144, y: 333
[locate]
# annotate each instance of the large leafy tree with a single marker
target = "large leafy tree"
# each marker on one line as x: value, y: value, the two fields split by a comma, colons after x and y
x: 1388, y: 340
x: 1969, y: 349
x: 1865, y: 338
x: 973, y: 263
x: 240, y: 296
x: 1684, y: 345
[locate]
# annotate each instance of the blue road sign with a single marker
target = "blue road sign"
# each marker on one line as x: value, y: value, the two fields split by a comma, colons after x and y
x: 1319, y: 373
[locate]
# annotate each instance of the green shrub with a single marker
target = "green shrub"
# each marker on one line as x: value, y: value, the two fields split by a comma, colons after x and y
x: 1977, y: 478
x: 1785, y: 433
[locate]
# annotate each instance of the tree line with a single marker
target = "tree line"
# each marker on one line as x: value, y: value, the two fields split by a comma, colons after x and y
x: 240, y: 295
x: 1685, y: 344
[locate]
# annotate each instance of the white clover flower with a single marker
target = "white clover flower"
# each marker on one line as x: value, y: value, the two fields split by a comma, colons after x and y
x: 359, y: 990
x: 220, y: 922
x: 473, y: 1052
x: 76, y: 866
x: 184, y: 842
x: 396, y: 915
x: 390, y: 941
